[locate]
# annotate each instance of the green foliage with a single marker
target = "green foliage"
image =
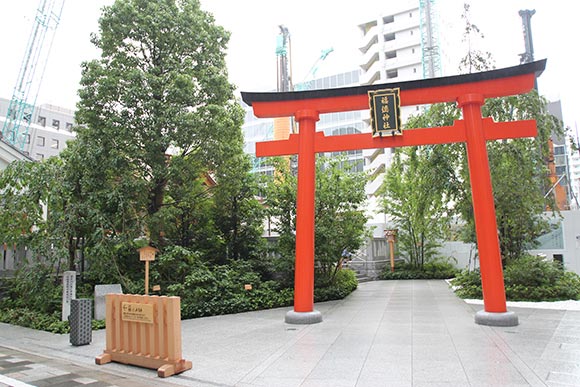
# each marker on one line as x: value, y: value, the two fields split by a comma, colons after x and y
x: 414, y: 196
x: 520, y: 174
x: 518, y: 171
x: 339, y: 213
x: 156, y: 114
x: 35, y: 288
x: 34, y: 319
x: 430, y: 270
x: 528, y: 278
x: 343, y: 284
x: 215, y: 290
x: 468, y: 284
x: 238, y: 214
x: 426, y: 185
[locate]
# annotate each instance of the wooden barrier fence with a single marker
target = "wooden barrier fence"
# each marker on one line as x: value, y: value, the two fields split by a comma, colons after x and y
x: 144, y: 331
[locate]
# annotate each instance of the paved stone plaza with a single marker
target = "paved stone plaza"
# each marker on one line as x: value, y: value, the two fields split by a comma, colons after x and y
x: 387, y: 333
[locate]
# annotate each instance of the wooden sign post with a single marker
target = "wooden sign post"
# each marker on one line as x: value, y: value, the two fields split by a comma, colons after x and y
x: 391, y: 236
x: 147, y: 254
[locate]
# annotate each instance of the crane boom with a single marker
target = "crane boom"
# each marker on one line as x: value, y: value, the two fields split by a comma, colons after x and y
x: 21, y: 106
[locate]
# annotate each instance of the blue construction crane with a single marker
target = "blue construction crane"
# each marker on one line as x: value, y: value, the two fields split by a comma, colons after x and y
x: 21, y: 106
x: 305, y: 84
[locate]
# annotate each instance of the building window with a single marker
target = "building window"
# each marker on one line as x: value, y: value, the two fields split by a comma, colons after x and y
x: 559, y: 150
x: 412, y: 51
x: 56, y: 124
x: 391, y: 54
x: 415, y: 70
x: 40, y: 141
x: 69, y: 126
x: 392, y: 74
x: 411, y: 32
x: 410, y: 14
x: 54, y: 144
x: 39, y: 156
x: 27, y: 139
x: 42, y: 121
x: 388, y: 19
x: 389, y: 37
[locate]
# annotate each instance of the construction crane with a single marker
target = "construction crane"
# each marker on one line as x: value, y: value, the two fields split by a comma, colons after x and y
x: 21, y: 106
x: 304, y: 85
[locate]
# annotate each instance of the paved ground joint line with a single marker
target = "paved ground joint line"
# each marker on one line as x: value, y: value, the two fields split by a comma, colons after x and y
x: 374, y: 336
x: 527, y: 373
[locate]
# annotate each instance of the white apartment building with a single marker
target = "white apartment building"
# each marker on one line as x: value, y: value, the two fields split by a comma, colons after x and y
x: 391, y: 48
x: 50, y: 129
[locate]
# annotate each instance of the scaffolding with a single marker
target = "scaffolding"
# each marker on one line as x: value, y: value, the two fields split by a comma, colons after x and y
x: 429, y: 39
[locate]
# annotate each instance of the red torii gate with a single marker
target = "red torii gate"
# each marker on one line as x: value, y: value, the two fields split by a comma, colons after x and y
x: 469, y: 91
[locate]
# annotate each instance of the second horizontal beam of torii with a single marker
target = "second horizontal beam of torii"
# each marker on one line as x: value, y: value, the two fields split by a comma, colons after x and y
x: 412, y: 137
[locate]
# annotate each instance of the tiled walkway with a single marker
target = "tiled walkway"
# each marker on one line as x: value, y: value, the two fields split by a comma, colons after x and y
x: 387, y: 333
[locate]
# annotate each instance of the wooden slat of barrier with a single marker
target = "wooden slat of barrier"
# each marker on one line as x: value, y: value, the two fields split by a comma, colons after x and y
x: 146, y: 334
x: 175, y: 324
x: 117, y: 323
x: 134, y: 330
x: 170, y: 329
x: 109, y: 313
x: 161, y: 331
x: 125, y: 334
x: 153, y: 334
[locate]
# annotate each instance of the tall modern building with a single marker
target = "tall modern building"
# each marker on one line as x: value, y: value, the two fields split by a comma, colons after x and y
x: 558, y: 166
x: 262, y: 129
x: 51, y: 127
x: 400, y: 45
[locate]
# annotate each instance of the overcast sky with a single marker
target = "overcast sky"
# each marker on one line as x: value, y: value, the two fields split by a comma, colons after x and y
x: 314, y: 25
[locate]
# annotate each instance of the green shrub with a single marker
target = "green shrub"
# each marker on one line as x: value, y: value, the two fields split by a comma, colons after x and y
x: 344, y: 283
x: 34, y: 319
x: 528, y: 278
x: 468, y: 284
x: 430, y: 270
x: 216, y: 290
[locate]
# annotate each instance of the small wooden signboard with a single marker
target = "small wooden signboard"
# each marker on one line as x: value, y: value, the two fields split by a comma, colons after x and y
x: 147, y: 254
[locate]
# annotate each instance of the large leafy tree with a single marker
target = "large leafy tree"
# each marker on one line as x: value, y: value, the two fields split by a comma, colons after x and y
x: 518, y: 171
x: 415, y: 196
x: 158, y: 97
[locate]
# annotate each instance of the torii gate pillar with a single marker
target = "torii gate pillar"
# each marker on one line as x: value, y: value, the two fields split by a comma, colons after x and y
x: 469, y: 91
x: 304, y: 312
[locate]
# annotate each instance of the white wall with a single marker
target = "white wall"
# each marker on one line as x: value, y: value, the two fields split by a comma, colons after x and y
x: 570, y: 246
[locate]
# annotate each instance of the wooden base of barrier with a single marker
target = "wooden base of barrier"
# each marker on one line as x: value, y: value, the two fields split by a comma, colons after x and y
x: 144, y: 331
x: 163, y: 367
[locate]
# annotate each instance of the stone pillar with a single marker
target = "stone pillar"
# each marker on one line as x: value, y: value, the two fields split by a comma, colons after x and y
x: 69, y: 292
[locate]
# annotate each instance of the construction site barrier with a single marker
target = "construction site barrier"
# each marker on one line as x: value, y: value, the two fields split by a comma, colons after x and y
x: 144, y: 331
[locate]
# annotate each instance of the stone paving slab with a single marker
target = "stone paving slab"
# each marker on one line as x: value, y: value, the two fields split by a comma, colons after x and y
x: 387, y: 333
